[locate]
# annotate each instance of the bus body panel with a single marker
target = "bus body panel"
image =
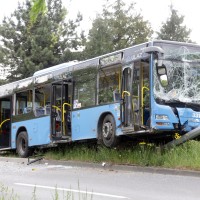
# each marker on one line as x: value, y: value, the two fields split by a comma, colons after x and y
x: 189, y: 118
x: 38, y: 131
x: 85, y: 122
x: 163, y: 117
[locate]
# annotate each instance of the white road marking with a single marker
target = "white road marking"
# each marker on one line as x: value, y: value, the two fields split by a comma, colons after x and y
x: 71, y: 190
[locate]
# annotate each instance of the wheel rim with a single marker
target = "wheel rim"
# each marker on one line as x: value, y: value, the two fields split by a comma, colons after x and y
x: 23, y: 144
x: 107, y: 130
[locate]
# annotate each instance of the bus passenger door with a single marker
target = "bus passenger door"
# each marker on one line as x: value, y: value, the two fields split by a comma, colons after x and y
x: 5, y: 122
x: 140, y: 95
x: 61, y: 109
x: 135, y: 96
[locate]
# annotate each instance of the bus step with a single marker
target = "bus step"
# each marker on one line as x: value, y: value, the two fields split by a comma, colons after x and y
x: 5, y: 148
x: 62, y: 141
x: 131, y: 131
x: 65, y: 137
x: 127, y: 129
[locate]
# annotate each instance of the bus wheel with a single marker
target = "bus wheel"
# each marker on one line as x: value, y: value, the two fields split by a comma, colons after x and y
x: 108, y: 130
x: 22, y: 145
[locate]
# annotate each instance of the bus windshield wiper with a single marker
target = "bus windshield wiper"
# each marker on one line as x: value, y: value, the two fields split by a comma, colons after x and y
x: 173, y: 101
x: 160, y: 100
x: 193, y: 104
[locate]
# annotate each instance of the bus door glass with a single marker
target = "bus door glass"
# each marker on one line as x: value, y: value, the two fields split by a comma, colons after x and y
x: 136, y: 95
x: 5, y: 122
x: 61, y: 107
x: 126, y: 94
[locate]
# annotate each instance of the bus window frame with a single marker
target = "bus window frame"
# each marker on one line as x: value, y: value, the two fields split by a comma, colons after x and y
x: 116, y: 65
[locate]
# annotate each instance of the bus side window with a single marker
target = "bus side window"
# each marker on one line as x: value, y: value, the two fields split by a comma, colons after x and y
x: 109, y: 84
x: 42, y: 101
x: 24, y: 102
x: 85, y: 83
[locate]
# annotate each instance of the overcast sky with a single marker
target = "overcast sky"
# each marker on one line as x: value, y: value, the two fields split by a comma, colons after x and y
x: 155, y: 11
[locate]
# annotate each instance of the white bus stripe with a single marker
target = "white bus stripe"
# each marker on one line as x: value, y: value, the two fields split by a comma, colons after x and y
x: 71, y: 190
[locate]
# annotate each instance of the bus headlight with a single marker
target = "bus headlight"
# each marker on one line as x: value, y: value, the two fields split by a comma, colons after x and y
x: 162, y: 117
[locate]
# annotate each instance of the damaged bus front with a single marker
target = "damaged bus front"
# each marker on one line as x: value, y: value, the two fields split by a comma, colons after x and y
x: 175, y: 99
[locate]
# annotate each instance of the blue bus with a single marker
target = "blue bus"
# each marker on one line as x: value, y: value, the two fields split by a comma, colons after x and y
x: 148, y: 89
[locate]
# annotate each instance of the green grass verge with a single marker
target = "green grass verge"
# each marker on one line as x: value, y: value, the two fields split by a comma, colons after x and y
x: 186, y: 156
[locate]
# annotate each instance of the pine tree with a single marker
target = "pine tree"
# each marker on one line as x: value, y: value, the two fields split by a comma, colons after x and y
x: 115, y: 28
x: 28, y: 47
x: 39, y: 7
x: 173, y: 28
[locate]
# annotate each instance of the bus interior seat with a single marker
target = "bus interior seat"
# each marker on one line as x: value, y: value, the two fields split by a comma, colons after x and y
x: 47, y: 109
x: 116, y: 96
x: 27, y: 110
x: 39, y: 111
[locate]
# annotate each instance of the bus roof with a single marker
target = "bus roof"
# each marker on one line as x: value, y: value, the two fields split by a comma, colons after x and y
x: 8, y: 89
x: 54, y: 68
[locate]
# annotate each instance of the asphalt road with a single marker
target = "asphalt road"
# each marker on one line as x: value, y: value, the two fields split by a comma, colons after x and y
x: 54, y: 180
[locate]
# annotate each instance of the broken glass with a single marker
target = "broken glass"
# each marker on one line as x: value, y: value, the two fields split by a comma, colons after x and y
x: 183, y: 75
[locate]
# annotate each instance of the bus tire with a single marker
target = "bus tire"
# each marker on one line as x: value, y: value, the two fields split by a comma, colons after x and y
x: 108, y: 130
x: 22, y: 145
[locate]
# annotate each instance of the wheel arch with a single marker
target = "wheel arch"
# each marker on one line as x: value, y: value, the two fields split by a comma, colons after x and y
x: 20, y: 129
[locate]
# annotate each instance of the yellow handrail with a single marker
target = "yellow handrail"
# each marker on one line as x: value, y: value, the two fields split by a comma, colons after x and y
x: 125, y: 92
x: 143, y: 88
x: 63, y: 109
x: 63, y: 115
x: 3, y: 122
x: 56, y: 107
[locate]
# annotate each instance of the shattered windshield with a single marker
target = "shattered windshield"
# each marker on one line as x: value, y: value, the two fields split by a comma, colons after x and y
x: 182, y: 77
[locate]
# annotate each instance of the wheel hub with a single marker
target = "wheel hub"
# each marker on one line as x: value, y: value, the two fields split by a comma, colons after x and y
x: 107, y: 130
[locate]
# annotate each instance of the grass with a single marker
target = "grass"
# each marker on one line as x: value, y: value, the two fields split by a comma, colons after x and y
x: 186, y: 156
x: 7, y: 194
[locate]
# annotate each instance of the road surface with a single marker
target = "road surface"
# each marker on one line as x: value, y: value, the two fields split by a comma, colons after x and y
x: 56, y: 181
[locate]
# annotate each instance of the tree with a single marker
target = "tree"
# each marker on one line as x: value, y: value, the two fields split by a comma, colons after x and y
x: 38, y: 7
x: 173, y: 28
x: 46, y: 42
x: 115, y: 28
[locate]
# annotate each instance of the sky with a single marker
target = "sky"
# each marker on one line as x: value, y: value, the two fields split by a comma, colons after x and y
x: 155, y: 11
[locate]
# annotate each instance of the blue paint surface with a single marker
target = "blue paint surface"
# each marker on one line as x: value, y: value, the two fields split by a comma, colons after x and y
x: 163, y: 110
x: 38, y: 131
x: 85, y: 121
x: 189, y: 118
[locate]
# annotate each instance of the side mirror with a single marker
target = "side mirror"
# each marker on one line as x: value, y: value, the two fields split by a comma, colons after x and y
x: 164, y: 80
x: 158, y: 51
x: 162, y: 74
x: 161, y: 71
x: 160, y: 63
